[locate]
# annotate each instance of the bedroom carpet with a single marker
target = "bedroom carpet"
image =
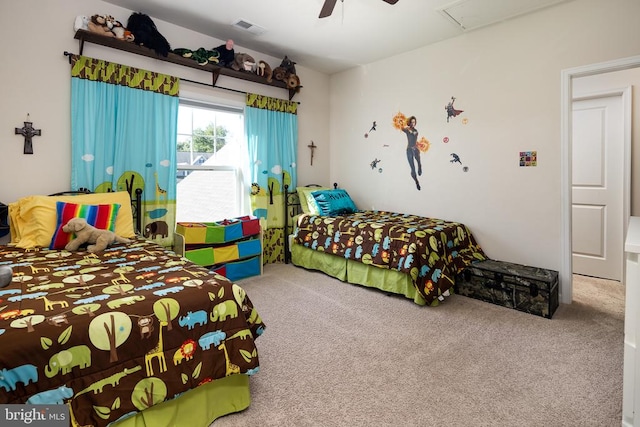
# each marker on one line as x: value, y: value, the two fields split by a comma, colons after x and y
x: 335, y: 354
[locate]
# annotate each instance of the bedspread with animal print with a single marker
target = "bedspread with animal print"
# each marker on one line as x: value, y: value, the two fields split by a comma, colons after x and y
x: 432, y: 251
x: 116, y: 332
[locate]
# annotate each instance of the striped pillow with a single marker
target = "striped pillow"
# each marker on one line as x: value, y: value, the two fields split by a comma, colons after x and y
x: 102, y: 217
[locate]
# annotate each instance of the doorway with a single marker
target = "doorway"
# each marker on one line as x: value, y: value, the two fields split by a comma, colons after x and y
x: 599, y: 164
x: 567, y: 77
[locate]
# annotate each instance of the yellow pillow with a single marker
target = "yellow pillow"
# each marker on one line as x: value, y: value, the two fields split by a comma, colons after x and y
x: 307, y: 202
x: 33, y: 218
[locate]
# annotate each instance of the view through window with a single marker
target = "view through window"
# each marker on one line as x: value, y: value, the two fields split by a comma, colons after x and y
x: 209, y: 159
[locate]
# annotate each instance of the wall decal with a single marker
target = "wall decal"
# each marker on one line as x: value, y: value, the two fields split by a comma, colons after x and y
x: 465, y: 121
x: 528, y: 158
x: 414, y: 146
x: 28, y: 132
x: 445, y: 139
x: 373, y: 127
x: 456, y: 159
x: 451, y: 111
x: 374, y: 165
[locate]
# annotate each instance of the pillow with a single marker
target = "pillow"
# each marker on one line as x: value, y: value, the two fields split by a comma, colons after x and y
x: 334, y: 202
x: 33, y: 218
x: 102, y: 217
x: 307, y: 202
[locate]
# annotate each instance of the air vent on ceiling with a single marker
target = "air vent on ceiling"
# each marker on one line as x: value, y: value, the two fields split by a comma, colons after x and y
x: 245, y: 25
x: 472, y: 14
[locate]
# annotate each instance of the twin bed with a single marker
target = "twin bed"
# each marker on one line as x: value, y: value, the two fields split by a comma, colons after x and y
x: 134, y: 335
x: 403, y: 254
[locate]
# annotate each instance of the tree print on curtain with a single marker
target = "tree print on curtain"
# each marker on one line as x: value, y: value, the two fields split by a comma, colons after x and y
x: 123, y: 137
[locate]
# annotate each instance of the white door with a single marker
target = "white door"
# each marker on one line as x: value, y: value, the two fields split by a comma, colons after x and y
x: 598, y: 186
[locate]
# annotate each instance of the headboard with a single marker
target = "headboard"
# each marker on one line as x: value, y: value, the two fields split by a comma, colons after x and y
x: 292, y: 208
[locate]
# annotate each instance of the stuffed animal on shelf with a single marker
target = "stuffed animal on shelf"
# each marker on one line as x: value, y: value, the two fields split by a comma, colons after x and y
x: 101, y: 24
x: 81, y: 23
x: 264, y: 70
x: 288, y: 65
x: 243, y: 62
x: 286, y: 72
x: 227, y: 54
x: 201, y: 55
x: 146, y: 34
x: 85, y: 233
x: 121, y: 33
x: 293, y: 81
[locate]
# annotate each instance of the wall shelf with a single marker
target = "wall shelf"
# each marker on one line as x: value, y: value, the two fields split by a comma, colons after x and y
x: 216, y: 71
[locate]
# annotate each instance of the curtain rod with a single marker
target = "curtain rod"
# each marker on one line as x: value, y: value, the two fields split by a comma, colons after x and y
x: 70, y: 54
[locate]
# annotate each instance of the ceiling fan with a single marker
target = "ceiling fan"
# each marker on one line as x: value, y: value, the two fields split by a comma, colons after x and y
x: 327, y: 7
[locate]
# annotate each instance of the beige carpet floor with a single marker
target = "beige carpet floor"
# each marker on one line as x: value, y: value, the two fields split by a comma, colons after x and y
x: 335, y: 354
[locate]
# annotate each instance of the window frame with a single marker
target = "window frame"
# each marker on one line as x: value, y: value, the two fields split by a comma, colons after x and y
x: 236, y: 169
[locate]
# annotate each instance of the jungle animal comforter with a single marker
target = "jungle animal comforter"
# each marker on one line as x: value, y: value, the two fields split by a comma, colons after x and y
x: 116, y: 332
x: 430, y: 250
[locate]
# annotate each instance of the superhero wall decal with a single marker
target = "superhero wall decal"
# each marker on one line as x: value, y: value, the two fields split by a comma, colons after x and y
x: 416, y: 145
x: 451, y: 111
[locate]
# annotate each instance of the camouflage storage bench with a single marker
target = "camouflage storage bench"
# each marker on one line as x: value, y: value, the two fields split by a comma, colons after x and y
x: 524, y: 288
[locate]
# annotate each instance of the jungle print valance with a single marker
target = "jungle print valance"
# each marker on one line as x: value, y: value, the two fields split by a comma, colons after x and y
x: 109, y: 72
x: 272, y: 104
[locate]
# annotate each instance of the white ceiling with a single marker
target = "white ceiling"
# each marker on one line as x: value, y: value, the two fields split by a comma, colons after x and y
x: 358, y: 32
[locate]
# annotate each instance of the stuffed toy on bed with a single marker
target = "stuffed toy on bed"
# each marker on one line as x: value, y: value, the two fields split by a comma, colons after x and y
x: 85, y: 233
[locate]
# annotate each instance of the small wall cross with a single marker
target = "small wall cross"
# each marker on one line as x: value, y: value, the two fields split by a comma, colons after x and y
x: 28, y: 132
x: 312, y: 147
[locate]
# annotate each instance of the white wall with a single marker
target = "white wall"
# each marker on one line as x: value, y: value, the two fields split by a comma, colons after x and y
x: 36, y: 81
x: 506, y: 78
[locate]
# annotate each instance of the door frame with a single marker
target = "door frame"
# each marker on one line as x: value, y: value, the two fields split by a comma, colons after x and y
x: 566, y: 99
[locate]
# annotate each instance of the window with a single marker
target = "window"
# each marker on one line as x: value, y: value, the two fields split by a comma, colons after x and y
x: 209, y: 156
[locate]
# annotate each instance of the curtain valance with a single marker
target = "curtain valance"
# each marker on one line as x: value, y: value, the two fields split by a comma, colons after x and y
x: 272, y: 104
x: 109, y: 72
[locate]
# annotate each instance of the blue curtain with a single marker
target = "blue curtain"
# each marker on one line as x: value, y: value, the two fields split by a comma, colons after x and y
x: 124, y: 136
x: 271, y: 127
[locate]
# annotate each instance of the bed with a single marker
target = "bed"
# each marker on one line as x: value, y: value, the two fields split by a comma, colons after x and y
x: 134, y: 335
x: 402, y: 254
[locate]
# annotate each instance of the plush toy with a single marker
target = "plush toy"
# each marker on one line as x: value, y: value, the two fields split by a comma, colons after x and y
x: 202, y: 56
x: 286, y: 72
x: 288, y: 65
x: 226, y: 54
x: 264, y: 70
x: 293, y: 81
x: 146, y: 34
x: 243, y: 62
x: 121, y: 33
x: 81, y: 23
x: 98, y: 239
x: 6, y: 275
x: 101, y: 24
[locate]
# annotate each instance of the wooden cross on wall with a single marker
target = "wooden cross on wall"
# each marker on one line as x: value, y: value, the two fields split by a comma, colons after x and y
x: 312, y: 147
x: 28, y: 132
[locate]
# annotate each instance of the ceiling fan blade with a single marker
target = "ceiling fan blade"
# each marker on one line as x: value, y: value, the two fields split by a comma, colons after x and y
x: 327, y: 8
x: 390, y: 1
